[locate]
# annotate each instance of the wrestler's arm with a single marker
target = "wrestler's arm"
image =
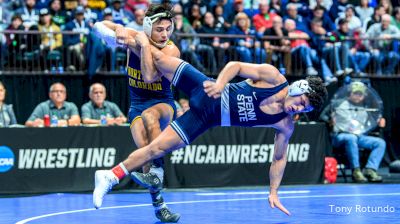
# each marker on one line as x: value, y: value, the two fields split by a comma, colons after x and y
x: 255, y: 72
x: 115, y: 34
x: 147, y: 54
x: 277, y: 168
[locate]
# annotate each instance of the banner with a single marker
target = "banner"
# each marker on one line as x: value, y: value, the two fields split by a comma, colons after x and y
x: 38, y: 160
x: 236, y: 156
x: 59, y: 159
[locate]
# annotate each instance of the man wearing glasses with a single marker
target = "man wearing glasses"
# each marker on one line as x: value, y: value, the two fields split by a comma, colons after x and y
x: 60, y: 112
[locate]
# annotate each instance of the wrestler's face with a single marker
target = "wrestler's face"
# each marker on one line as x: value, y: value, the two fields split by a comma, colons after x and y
x: 161, y: 31
x: 297, y: 104
x: 98, y: 94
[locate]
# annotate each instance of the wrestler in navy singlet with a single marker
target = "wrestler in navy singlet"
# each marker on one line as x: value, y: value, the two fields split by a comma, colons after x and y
x: 238, y: 105
x: 144, y: 95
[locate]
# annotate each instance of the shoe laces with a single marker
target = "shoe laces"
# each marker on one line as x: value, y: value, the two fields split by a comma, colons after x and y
x: 165, y: 213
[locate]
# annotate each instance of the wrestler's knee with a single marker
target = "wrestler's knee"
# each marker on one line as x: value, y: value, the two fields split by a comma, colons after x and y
x: 151, y: 117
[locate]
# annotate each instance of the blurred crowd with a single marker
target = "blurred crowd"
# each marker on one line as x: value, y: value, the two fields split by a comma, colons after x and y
x: 329, y: 38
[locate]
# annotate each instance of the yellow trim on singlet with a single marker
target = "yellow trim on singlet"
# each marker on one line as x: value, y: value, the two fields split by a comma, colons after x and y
x: 135, y: 119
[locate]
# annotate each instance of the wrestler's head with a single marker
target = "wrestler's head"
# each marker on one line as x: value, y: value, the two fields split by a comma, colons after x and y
x: 305, y: 95
x: 158, y: 24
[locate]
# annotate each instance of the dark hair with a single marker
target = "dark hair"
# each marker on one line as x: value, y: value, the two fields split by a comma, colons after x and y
x: 319, y: 94
x: 159, y: 8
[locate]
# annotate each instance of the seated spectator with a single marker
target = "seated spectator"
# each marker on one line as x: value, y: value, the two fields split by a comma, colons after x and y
x: 278, y: 48
x: 5, y: 15
x: 275, y: 6
x: 195, y: 17
x: 100, y: 111
x: 120, y: 15
x: 387, y: 5
x: 348, y: 112
x: 320, y: 13
x: 384, y: 50
x: 300, y: 47
x: 50, y: 42
x: 340, y: 48
x: 301, y: 22
x: 91, y: 16
x: 263, y: 20
x: 58, y: 15
x: 396, y: 17
x: 7, y: 116
x: 133, y: 5
x: 364, y: 11
x: 359, y: 54
x: 219, y: 18
x: 353, y: 21
x: 29, y: 14
x: 220, y: 45
x: 326, y: 4
x: 375, y: 18
x: 245, y: 47
x: 137, y: 24
x: 302, y: 7
x: 320, y: 50
x: 76, y: 43
x: 62, y: 113
x: 16, y: 43
x: 337, y: 9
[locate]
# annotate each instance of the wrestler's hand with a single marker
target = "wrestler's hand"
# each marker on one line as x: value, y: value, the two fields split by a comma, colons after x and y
x: 274, y: 202
x: 213, y: 89
x: 142, y: 39
x: 121, y: 34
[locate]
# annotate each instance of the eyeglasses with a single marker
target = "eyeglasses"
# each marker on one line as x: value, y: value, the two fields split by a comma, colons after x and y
x: 57, y: 91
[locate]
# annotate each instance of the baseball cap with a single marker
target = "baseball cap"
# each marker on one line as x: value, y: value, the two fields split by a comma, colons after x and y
x: 358, y: 87
x: 44, y: 12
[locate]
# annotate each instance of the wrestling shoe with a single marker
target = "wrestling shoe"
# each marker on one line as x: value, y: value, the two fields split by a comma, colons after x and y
x: 148, y: 180
x: 165, y: 215
x: 372, y: 175
x: 104, y: 180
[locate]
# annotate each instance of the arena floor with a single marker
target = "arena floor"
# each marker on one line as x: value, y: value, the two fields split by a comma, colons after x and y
x: 339, y: 203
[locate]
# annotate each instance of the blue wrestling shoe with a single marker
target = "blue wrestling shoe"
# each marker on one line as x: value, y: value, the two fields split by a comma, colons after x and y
x: 165, y: 215
x: 148, y: 180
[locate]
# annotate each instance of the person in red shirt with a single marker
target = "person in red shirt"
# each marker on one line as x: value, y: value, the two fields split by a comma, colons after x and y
x: 263, y: 20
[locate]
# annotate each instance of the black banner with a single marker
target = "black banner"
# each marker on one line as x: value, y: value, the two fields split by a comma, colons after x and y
x: 238, y: 156
x: 36, y: 160
x: 60, y: 159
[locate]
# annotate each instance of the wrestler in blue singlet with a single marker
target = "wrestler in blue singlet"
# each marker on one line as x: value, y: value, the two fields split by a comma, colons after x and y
x: 144, y: 95
x: 238, y: 105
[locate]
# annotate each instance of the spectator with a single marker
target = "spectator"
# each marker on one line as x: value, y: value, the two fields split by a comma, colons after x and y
x: 320, y: 13
x: 29, y: 15
x: 349, y: 111
x: 341, y: 48
x: 91, y: 16
x: 364, y: 11
x: 246, y: 46
x: 119, y: 14
x: 7, y: 116
x: 230, y: 14
x: 383, y: 50
x: 301, y: 23
x: 184, y: 104
x: 219, y: 45
x: 263, y: 20
x: 133, y: 5
x: 219, y: 17
x: 320, y: 50
x: 302, y: 7
x: 186, y: 45
x: 337, y: 9
x: 15, y: 42
x: 387, y: 5
x: 353, y: 21
x: 359, y: 54
x: 76, y: 43
x: 326, y: 4
x: 100, y: 111
x: 278, y: 50
x: 375, y: 18
x: 61, y: 112
x: 137, y: 24
x: 50, y: 42
x: 5, y: 15
x: 195, y: 17
x: 107, y: 14
x: 299, y: 46
x: 396, y: 17
x: 275, y: 6
x: 58, y: 15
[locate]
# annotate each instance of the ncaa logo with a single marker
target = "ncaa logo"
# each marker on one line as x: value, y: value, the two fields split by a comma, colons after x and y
x: 6, y: 159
